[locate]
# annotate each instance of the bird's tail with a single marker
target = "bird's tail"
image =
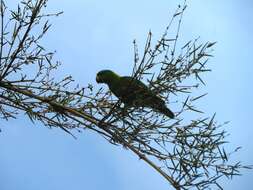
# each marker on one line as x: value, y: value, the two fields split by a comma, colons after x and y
x: 166, y: 111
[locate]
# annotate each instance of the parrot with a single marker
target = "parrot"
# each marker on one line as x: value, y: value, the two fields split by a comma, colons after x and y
x: 133, y: 92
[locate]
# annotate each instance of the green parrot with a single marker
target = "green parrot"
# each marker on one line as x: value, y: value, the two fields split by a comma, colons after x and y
x: 133, y: 92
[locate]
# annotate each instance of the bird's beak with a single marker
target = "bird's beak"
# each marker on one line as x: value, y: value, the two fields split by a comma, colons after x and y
x: 98, y: 79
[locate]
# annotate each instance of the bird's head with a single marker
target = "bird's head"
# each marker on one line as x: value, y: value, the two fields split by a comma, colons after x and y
x: 106, y: 76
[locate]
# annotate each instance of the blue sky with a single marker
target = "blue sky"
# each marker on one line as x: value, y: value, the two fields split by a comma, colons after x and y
x: 92, y: 35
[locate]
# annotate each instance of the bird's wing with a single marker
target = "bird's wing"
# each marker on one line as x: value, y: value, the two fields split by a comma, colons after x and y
x: 133, y: 91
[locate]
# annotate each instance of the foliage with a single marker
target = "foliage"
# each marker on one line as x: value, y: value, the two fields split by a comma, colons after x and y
x: 188, y: 153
